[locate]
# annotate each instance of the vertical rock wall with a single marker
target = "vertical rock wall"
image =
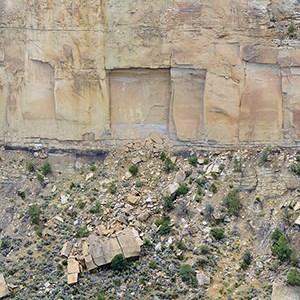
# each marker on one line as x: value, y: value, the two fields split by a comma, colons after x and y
x: 210, y: 71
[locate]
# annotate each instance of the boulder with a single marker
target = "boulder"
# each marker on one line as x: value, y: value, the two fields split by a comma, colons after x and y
x: 172, y: 188
x: 202, y: 279
x: 130, y: 242
x: 66, y: 249
x: 73, y: 270
x: 283, y: 292
x: 102, y: 251
x: 180, y: 176
x: 3, y: 287
x: 72, y: 278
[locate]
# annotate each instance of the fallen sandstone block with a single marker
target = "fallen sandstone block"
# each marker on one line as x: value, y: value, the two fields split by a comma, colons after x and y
x: 3, y: 287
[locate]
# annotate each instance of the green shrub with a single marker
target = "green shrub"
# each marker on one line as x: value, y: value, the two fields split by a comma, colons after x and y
x: 82, y: 232
x: 164, y: 224
x: 112, y: 188
x: 46, y: 168
x: 206, y: 161
x: 294, y: 258
x: 238, y: 165
x: 295, y: 167
x: 202, y: 262
x: 40, y: 178
x: 138, y: 183
x: 265, y: 154
x: 213, y: 188
x: 134, y: 170
x: 277, y: 233
x: 218, y: 233
x: 21, y: 194
x: 188, y: 275
x: 169, y: 165
x: 292, y: 30
x: 119, y: 263
x: 182, y: 190
x: 163, y: 156
x: 246, y: 260
x: 168, y: 203
x: 96, y: 209
x: 152, y: 264
x: 4, y: 243
x: 101, y: 296
x: 34, y: 213
x: 81, y: 204
x: 204, y: 249
x: 293, y: 277
x: 232, y: 202
x: 93, y: 168
x: 30, y: 167
x: 39, y: 230
x: 193, y: 161
x: 280, y: 246
x: 281, y: 249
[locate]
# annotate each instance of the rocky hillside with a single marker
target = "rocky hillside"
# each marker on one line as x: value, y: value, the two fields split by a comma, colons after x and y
x: 194, y: 223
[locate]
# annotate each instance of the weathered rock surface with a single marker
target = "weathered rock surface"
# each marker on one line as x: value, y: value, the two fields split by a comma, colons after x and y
x: 283, y: 292
x: 102, y: 251
x: 3, y: 287
x: 212, y: 71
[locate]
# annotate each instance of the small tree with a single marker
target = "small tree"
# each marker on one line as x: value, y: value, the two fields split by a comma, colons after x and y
x: 280, y: 247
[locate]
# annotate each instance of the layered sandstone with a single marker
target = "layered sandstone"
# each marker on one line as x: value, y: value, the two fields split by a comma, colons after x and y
x: 210, y: 71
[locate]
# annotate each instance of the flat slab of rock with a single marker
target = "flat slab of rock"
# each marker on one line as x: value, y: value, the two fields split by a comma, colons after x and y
x: 73, y: 270
x: 130, y: 242
x: 72, y: 278
x: 283, y: 292
x: 3, y: 287
x: 73, y: 266
x: 102, y: 251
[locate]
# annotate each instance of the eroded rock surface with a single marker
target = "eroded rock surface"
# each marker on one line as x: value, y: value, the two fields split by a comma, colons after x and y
x: 3, y: 287
x: 75, y: 72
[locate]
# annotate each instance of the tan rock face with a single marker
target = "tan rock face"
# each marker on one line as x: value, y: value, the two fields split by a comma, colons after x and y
x: 3, y: 287
x: 76, y: 72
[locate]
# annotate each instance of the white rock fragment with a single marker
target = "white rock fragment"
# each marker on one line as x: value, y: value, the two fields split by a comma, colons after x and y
x: 202, y: 279
x: 158, y: 247
x: 89, y: 176
x: 64, y: 198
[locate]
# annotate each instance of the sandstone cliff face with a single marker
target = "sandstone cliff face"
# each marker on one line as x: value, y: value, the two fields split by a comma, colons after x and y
x: 209, y: 71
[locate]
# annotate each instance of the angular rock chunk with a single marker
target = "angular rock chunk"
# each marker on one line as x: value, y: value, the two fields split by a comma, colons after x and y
x: 3, y: 287
x: 66, y: 249
x: 73, y: 265
x: 72, y: 278
x: 130, y: 242
x: 111, y: 248
x: 96, y: 251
